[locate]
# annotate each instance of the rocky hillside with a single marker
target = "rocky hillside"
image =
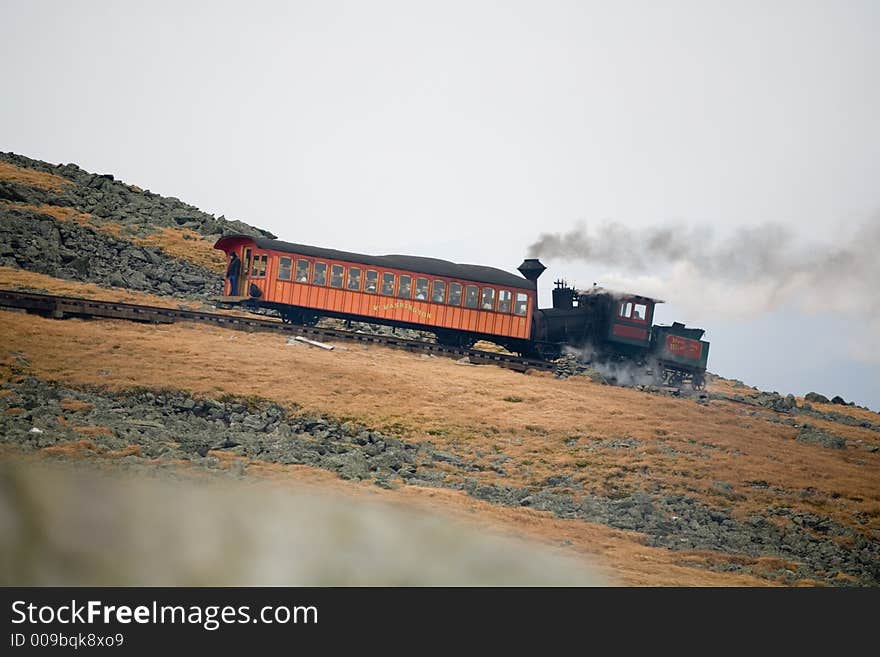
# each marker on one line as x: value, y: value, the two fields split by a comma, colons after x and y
x: 71, y: 224
x: 729, y: 486
x: 167, y: 426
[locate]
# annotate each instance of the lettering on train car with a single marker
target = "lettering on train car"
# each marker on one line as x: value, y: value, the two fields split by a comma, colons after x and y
x: 684, y: 347
x: 405, y: 306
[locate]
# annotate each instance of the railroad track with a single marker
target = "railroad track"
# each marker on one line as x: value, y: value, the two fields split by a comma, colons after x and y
x: 59, y: 307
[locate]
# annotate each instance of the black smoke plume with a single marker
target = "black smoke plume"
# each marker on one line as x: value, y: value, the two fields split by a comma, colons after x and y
x: 741, y: 273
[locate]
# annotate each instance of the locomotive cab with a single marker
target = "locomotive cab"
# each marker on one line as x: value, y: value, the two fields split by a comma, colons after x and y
x: 610, y: 322
x: 630, y: 320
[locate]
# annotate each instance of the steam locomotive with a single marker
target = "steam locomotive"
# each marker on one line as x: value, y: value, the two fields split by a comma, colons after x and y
x: 460, y: 304
x: 605, y: 326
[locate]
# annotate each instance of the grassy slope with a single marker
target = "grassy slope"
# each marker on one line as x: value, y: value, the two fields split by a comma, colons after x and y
x: 560, y: 428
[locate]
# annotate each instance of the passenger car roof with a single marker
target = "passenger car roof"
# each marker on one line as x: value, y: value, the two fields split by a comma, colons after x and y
x: 417, y: 264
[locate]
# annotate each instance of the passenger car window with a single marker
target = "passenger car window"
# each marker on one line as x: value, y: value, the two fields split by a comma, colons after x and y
x: 302, y: 271
x: 454, y: 294
x: 336, y: 275
x: 320, y: 273
x: 488, y: 301
x: 259, y: 268
x: 372, y: 281
x: 439, y: 293
x: 522, y: 303
x: 503, y: 301
x: 284, y: 265
x: 387, y: 283
x: 354, y: 278
x: 404, y: 286
x: 640, y: 312
x: 422, y: 289
x: 471, y: 296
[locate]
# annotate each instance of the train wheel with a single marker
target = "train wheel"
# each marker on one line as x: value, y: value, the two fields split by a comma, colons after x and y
x: 298, y: 317
x: 546, y: 351
x: 289, y: 316
x: 454, y: 339
x: 673, y: 378
x: 656, y: 373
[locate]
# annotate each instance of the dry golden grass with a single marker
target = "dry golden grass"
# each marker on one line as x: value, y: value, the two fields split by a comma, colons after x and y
x: 77, y: 449
x: 82, y: 449
x: 93, y: 431
x: 75, y: 405
x: 131, y: 450
x: 491, y: 346
x: 31, y: 177
x: 57, y: 212
x: 12, y: 278
x: 188, y: 245
x: 561, y: 427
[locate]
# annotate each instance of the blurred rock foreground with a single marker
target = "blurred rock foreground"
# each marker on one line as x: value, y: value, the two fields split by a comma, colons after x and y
x: 74, y: 524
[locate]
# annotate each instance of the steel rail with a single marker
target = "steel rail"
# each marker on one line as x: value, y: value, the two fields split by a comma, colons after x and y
x: 59, y: 307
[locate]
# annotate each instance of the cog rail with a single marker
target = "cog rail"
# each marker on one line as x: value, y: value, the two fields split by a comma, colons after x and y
x: 59, y: 307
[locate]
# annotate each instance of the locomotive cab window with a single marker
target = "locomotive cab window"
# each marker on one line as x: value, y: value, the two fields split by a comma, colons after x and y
x: 387, y: 284
x: 320, y: 273
x: 372, y: 281
x: 354, y: 278
x: 522, y: 303
x: 439, y: 293
x: 259, y: 266
x: 302, y: 271
x: 625, y: 310
x: 336, y: 275
x: 422, y: 289
x: 471, y: 296
x: 284, y: 266
x: 640, y: 312
x: 404, y: 286
x: 488, y: 302
x: 503, y: 301
x: 454, y: 294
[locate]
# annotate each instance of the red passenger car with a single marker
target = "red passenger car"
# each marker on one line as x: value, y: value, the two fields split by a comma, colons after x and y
x: 459, y: 303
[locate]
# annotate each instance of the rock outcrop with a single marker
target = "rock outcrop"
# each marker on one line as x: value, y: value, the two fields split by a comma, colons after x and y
x: 76, y: 225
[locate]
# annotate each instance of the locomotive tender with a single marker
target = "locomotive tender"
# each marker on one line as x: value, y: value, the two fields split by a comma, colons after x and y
x: 461, y: 304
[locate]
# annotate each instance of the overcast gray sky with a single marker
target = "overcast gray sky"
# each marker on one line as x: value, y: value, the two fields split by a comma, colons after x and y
x: 463, y: 130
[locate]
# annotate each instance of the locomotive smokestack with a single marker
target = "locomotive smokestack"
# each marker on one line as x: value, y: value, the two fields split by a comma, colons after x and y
x: 532, y: 269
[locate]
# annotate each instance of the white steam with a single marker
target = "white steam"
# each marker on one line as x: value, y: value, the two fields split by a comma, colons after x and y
x: 623, y: 373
